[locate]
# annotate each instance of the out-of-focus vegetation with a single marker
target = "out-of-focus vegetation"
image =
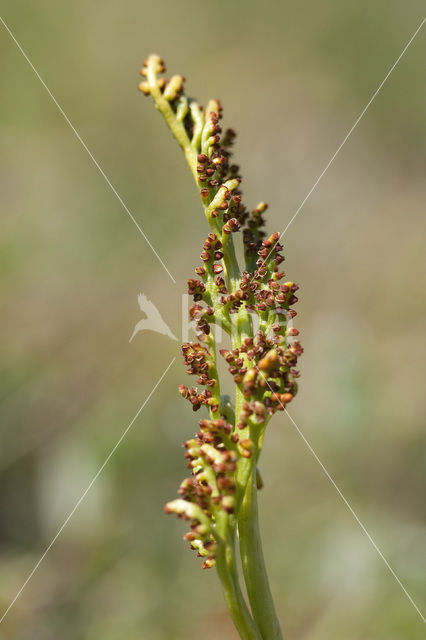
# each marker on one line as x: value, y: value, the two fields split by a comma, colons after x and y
x: 292, y: 77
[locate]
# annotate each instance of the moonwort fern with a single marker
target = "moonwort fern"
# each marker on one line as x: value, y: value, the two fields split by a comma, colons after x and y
x: 219, y: 498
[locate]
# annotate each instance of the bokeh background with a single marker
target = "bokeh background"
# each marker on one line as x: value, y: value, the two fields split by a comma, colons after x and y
x: 293, y: 77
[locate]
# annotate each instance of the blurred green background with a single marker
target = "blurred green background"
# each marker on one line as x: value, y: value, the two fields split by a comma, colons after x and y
x: 293, y: 77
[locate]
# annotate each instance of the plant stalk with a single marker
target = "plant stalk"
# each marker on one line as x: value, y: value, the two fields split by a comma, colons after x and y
x: 253, y: 564
x: 227, y: 572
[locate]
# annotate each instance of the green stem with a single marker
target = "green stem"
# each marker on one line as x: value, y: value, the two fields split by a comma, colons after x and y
x: 225, y: 563
x: 176, y: 127
x: 253, y: 563
x: 225, y: 558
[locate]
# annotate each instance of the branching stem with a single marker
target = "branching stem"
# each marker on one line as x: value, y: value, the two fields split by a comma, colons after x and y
x: 227, y: 572
x: 254, y: 569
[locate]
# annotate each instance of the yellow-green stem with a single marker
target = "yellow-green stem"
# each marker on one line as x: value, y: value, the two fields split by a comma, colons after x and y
x: 226, y: 569
x: 253, y: 564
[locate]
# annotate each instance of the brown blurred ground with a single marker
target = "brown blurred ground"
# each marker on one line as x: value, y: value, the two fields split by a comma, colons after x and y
x: 293, y: 77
